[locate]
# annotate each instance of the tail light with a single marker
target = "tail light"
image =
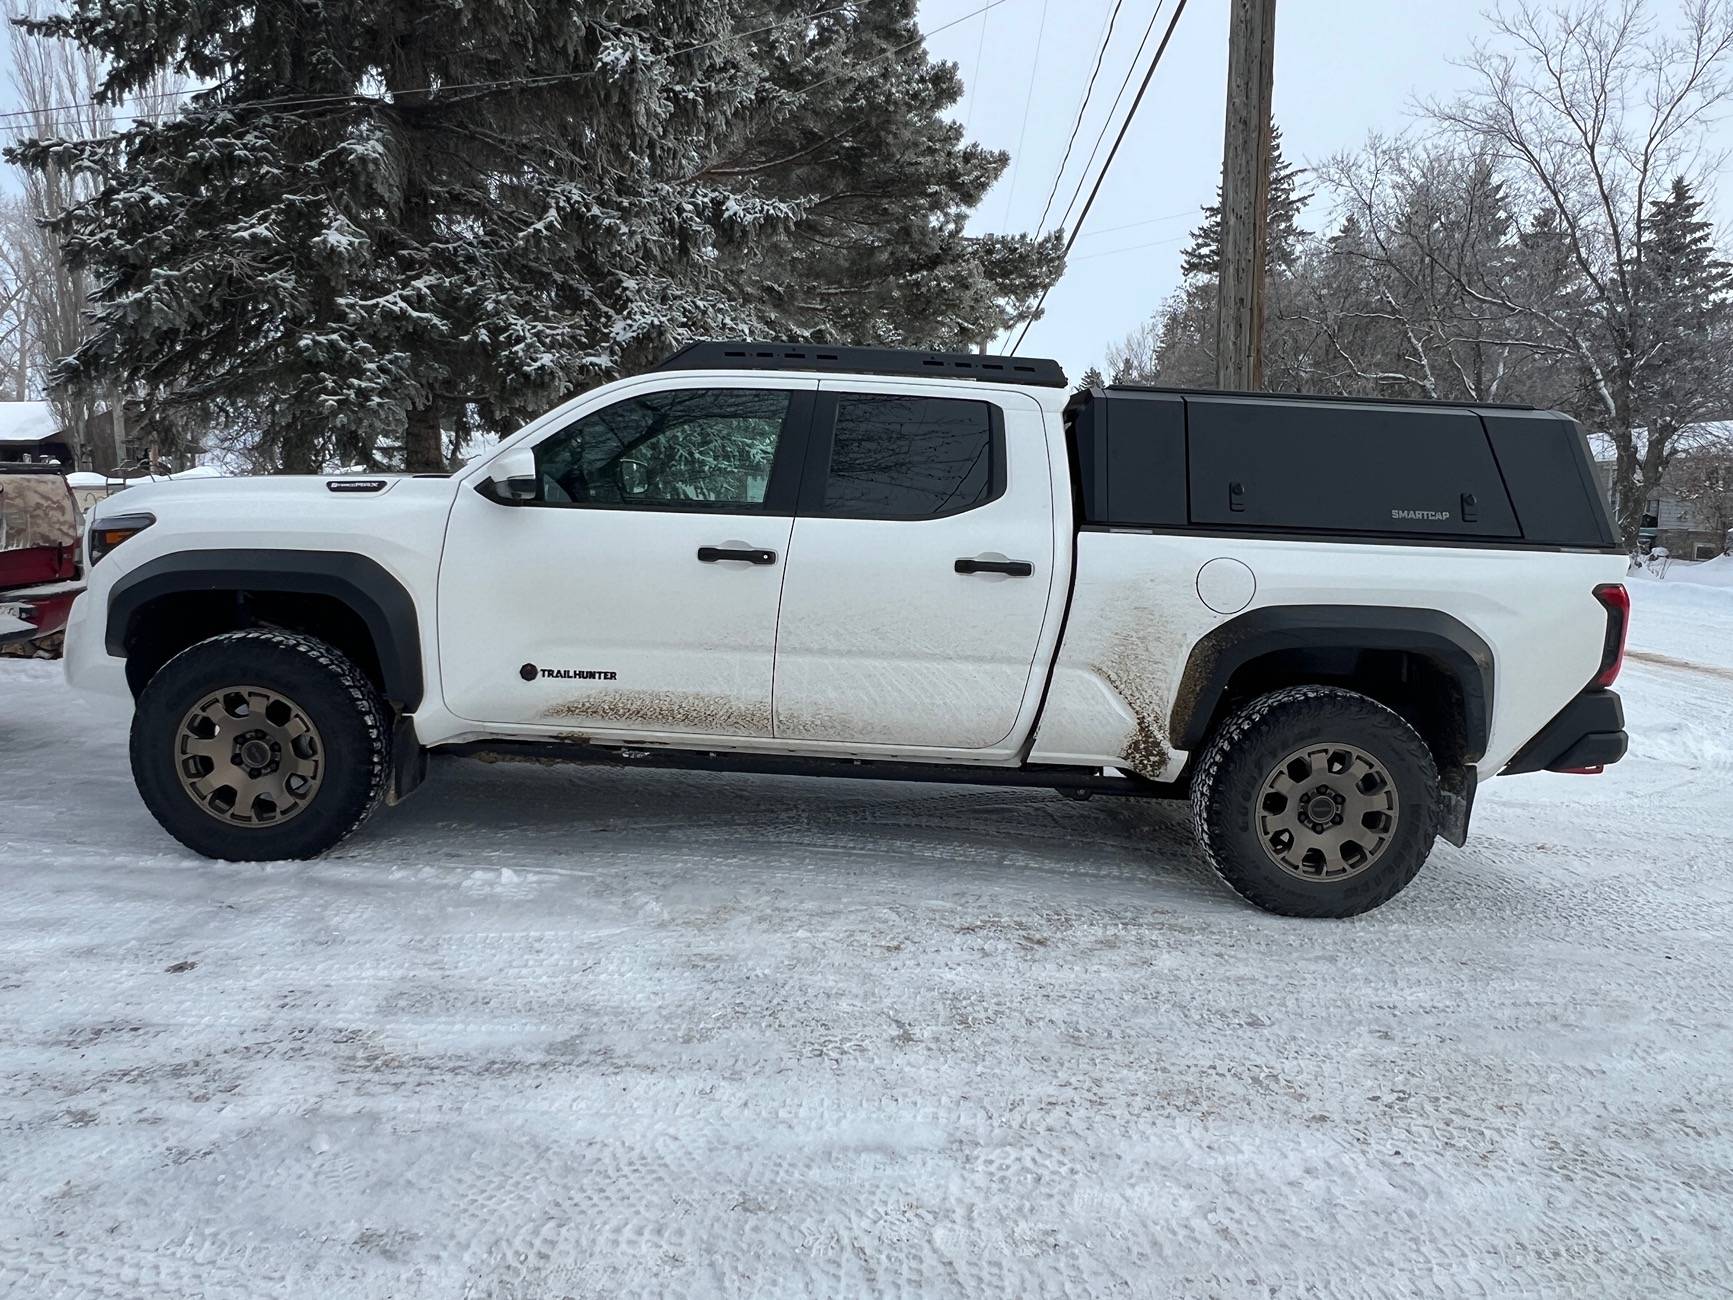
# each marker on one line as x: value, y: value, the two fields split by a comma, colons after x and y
x: 1617, y: 602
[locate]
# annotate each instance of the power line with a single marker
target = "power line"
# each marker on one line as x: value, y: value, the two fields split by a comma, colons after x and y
x: 1077, y: 123
x: 1107, y: 165
x: 896, y: 49
x: 1028, y: 99
x: 1147, y: 221
x: 514, y: 83
x: 1107, y: 121
x: 1130, y: 248
x: 975, y: 76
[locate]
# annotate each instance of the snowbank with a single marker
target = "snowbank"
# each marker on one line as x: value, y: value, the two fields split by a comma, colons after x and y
x: 1709, y: 573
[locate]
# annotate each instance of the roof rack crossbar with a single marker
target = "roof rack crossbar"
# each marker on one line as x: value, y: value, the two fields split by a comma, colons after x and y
x: 712, y: 355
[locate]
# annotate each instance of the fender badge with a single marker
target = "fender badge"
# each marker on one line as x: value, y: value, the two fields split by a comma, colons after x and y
x: 529, y: 672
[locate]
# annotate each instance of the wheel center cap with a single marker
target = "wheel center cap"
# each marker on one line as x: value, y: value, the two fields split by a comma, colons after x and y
x: 1321, y: 809
x: 255, y: 753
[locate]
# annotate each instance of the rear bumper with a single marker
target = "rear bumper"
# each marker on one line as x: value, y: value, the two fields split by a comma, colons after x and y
x: 39, y: 611
x: 1588, y: 733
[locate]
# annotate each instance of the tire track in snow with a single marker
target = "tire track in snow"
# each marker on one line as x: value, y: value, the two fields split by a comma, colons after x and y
x: 715, y: 1036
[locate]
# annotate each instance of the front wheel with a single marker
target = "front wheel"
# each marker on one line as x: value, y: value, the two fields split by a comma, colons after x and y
x: 260, y: 744
x: 1316, y: 801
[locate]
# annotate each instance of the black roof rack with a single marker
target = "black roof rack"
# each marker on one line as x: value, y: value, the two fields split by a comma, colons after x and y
x: 1318, y: 397
x: 1031, y: 371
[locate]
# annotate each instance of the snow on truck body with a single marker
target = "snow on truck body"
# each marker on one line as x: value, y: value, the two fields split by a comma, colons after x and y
x: 874, y: 563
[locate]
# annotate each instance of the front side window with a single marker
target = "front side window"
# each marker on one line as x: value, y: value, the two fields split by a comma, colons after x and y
x: 699, y: 449
x: 909, y: 457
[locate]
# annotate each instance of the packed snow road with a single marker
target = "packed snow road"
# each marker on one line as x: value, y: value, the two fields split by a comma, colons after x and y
x: 549, y: 1032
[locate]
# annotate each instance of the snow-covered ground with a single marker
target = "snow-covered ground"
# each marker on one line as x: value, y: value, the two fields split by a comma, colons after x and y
x: 548, y: 1032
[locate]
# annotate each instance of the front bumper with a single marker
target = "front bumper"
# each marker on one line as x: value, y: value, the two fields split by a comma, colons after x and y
x: 88, y: 665
x: 1587, y: 734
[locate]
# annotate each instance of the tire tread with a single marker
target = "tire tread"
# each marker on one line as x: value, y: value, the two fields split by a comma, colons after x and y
x: 370, y: 706
x: 1209, y: 817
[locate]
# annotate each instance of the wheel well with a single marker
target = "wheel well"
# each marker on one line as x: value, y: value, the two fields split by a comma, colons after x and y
x: 1413, y: 684
x: 162, y: 627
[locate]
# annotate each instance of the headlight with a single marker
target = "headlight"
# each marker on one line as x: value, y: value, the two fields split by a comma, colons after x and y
x: 109, y: 532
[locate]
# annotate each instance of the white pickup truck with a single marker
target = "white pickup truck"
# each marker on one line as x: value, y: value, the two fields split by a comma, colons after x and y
x: 1321, y: 621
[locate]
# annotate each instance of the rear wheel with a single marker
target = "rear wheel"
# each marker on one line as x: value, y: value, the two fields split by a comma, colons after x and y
x: 1316, y: 801
x: 260, y: 744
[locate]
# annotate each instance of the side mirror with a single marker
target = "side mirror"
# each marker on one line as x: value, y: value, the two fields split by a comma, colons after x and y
x: 512, y: 477
x: 633, y: 476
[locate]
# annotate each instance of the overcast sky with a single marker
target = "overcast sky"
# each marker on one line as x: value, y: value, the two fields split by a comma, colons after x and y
x: 1343, y: 68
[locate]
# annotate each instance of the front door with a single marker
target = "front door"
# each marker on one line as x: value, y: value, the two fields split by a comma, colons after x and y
x: 637, y: 593
x: 920, y: 570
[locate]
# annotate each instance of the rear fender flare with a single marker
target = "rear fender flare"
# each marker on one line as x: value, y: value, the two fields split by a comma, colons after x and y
x: 1429, y: 633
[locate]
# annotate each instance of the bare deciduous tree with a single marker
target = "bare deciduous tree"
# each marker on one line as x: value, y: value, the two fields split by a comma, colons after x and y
x: 1538, y: 239
x: 47, y: 304
x: 1132, y: 360
x: 1595, y: 107
x: 1396, y: 304
x: 56, y: 85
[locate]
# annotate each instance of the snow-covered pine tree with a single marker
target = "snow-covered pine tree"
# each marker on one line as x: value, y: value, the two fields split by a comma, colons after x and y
x: 385, y: 224
x: 851, y: 135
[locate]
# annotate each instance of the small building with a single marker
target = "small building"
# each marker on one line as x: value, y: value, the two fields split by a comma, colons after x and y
x: 1696, y: 529
x: 31, y: 432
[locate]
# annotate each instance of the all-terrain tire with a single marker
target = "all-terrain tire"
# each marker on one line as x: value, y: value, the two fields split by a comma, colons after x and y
x: 351, y: 721
x: 1233, y: 774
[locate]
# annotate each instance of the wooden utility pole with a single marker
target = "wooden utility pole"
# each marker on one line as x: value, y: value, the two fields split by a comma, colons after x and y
x: 1245, y: 195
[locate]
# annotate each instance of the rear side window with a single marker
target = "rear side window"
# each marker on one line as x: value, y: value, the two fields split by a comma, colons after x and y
x: 911, y: 457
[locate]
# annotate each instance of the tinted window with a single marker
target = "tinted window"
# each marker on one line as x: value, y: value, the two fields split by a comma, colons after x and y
x: 909, y: 457
x: 704, y: 449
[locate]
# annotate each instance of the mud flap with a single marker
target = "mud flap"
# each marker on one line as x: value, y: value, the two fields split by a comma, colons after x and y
x: 1456, y: 796
x: 408, y: 761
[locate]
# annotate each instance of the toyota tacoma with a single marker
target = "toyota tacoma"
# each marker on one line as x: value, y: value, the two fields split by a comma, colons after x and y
x: 1322, y: 621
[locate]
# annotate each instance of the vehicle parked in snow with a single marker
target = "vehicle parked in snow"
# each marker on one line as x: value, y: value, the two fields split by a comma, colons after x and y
x: 40, y: 541
x: 1322, y: 621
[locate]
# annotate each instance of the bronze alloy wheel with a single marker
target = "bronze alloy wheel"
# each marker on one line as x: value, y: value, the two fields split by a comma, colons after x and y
x: 249, y: 756
x: 1327, y: 812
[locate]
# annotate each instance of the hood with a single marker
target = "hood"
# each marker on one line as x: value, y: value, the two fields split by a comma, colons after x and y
x: 269, y: 493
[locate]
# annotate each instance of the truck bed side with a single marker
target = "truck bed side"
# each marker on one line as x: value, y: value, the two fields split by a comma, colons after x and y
x: 1142, y: 606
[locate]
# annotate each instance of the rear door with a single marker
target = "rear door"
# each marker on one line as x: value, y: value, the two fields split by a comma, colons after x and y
x: 919, y: 570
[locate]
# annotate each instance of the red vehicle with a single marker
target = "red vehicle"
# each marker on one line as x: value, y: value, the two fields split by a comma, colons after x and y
x: 39, y: 542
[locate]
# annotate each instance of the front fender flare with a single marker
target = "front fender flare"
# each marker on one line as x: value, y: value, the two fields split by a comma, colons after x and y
x: 359, y: 582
